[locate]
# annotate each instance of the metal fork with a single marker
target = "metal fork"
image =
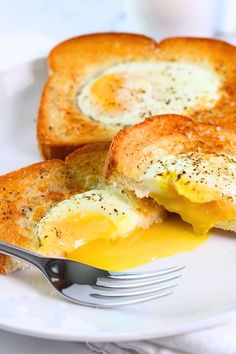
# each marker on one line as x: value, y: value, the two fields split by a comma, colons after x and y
x: 90, y: 286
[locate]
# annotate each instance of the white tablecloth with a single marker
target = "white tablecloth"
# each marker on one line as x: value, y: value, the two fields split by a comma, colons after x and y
x: 12, y: 343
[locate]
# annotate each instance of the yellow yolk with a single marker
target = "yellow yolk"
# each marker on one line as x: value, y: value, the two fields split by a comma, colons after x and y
x: 76, y: 229
x: 119, y: 92
x: 105, y: 91
x: 92, y: 240
x: 197, y: 204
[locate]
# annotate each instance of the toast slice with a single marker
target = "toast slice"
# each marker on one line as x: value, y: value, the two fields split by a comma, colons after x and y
x: 188, y: 168
x: 28, y: 194
x: 100, y: 83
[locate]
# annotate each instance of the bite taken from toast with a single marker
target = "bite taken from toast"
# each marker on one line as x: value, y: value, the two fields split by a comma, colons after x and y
x: 54, y: 206
x: 188, y: 168
x: 100, y: 83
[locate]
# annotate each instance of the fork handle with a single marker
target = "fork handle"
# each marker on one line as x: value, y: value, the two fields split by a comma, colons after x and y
x: 22, y: 254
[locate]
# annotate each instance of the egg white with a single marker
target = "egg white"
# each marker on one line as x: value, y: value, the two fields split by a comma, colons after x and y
x: 167, y: 87
x: 103, y: 202
x: 216, y: 171
x: 198, y: 178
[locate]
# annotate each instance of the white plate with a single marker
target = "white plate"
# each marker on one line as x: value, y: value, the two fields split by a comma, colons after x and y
x: 206, y: 294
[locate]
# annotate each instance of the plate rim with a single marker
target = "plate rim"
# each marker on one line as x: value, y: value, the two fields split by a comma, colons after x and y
x: 195, y: 325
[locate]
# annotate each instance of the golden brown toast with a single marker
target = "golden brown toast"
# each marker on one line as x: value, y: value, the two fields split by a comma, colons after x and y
x: 188, y: 168
x: 28, y: 194
x: 133, y: 148
x: 200, y: 75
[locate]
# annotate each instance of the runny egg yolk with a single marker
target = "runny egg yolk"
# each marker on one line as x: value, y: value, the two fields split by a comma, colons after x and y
x: 92, y: 239
x: 74, y: 230
x: 197, y: 204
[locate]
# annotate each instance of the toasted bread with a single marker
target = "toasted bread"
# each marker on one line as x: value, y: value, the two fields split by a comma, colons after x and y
x: 28, y: 194
x: 201, y: 85
x: 184, y: 166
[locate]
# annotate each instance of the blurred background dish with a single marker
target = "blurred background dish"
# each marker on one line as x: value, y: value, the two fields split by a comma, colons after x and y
x: 164, y: 18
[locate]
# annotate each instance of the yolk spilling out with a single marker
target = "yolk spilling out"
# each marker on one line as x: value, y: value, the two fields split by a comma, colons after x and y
x: 101, y: 248
x: 105, y: 91
x: 198, y: 205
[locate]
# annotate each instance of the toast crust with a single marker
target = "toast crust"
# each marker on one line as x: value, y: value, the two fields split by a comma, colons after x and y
x: 133, y: 147
x: 62, y: 127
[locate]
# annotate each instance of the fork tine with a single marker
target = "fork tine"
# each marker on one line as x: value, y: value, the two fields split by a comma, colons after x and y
x: 145, y: 275
x: 127, y: 289
x: 114, y: 283
x: 107, y: 302
x: 102, y: 292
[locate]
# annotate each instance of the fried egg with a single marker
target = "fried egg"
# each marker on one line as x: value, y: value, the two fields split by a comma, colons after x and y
x: 87, y: 216
x: 127, y: 93
x: 104, y: 229
x: 200, y: 187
